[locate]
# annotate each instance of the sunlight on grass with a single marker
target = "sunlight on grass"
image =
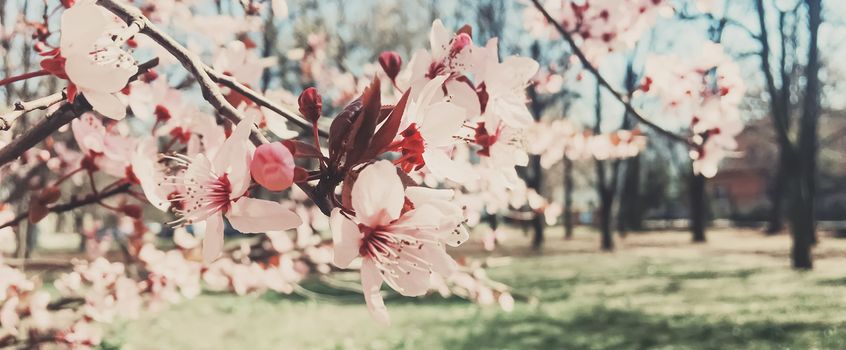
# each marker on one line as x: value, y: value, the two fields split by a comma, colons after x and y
x: 657, y: 291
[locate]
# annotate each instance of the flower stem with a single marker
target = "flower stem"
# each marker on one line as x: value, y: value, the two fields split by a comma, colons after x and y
x: 24, y: 76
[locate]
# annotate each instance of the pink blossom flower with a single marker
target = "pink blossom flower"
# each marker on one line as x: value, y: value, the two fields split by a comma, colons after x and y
x: 83, y: 334
x: 429, y: 130
x: 171, y: 277
x: 241, y: 63
x: 397, y: 246
x: 450, y: 57
x: 110, y: 151
x: 505, y: 86
x: 9, y: 317
x: 216, y: 187
x: 95, y: 63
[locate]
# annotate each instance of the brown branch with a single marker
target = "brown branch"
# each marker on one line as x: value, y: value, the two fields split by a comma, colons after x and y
x: 54, y: 121
x: 205, y: 75
x: 779, y: 116
x: 191, y: 62
x: 723, y: 20
x: 42, y: 130
x: 24, y: 107
x: 39, y: 264
x: 208, y: 79
x: 604, y: 82
x: 74, y: 203
x: 261, y: 100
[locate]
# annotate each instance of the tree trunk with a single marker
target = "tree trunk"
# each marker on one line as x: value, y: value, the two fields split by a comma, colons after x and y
x: 605, y: 204
x: 536, y: 180
x: 698, y: 206
x: 493, y: 221
x: 605, y: 189
x: 803, y: 225
x: 537, y: 218
x: 775, y: 221
x: 568, y: 198
x: 628, y: 217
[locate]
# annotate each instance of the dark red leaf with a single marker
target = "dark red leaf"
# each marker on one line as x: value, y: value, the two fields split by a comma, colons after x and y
x: 302, y: 149
x: 300, y: 175
x: 389, y: 129
x: 49, y: 195
x: 466, y: 29
x: 346, y: 189
x: 340, y: 129
x: 37, y: 211
x: 360, y: 141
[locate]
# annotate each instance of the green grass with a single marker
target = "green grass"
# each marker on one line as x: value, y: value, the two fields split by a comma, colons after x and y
x: 656, y: 292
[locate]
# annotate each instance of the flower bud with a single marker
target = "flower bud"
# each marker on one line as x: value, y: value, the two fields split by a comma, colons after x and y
x: 162, y: 113
x: 391, y: 62
x: 311, y: 104
x: 273, y: 166
x: 49, y: 195
x: 460, y: 42
x: 132, y: 210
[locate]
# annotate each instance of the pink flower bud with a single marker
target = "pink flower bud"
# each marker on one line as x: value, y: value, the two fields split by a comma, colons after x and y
x: 311, y: 104
x: 273, y: 166
x: 460, y: 42
x: 391, y: 62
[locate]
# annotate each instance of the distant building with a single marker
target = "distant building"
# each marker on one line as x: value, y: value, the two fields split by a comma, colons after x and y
x: 742, y: 187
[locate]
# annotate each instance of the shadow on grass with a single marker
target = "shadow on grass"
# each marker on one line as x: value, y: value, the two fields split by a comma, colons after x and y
x: 312, y: 290
x: 837, y: 282
x: 603, y: 328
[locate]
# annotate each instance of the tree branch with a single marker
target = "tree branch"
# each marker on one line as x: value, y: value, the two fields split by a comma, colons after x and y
x: 54, y: 121
x: 780, y: 121
x: 261, y: 100
x: 24, y: 107
x: 74, y: 203
x: 603, y: 82
x: 205, y: 75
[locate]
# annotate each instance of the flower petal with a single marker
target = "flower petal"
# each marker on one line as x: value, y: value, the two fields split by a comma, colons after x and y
x: 371, y: 283
x: 346, y: 237
x: 442, y: 166
x: 463, y: 95
x: 439, y: 39
x: 442, y: 263
x: 213, y: 238
x: 90, y: 75
x: 107, y: 104
x: 144, y: 167
x: 420, y: 194
x: 378, y: 195
x: 233, y: 157
x: 250, y: 215
x: 81, y: 26
x: 442, y: 121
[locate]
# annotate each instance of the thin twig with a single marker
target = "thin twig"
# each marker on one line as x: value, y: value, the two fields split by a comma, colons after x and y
x: 261, y: 100
x: 47, y: 126
x: 211, y: 92
x: 604, y: 82
x: 24, y: 107
x: 206, y: 77
x: 73, y: 204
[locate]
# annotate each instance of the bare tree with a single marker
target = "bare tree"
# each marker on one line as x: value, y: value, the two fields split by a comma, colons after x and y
x: 798, y: 158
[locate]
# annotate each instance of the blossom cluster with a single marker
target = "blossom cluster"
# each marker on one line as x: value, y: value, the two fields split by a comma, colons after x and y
x: 702, y: 95
x: 600, y: 26
x: 560, y: 138
x: 387, y: 175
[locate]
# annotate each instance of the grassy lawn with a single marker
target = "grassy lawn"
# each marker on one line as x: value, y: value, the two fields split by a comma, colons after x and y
x: 657, y: 291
